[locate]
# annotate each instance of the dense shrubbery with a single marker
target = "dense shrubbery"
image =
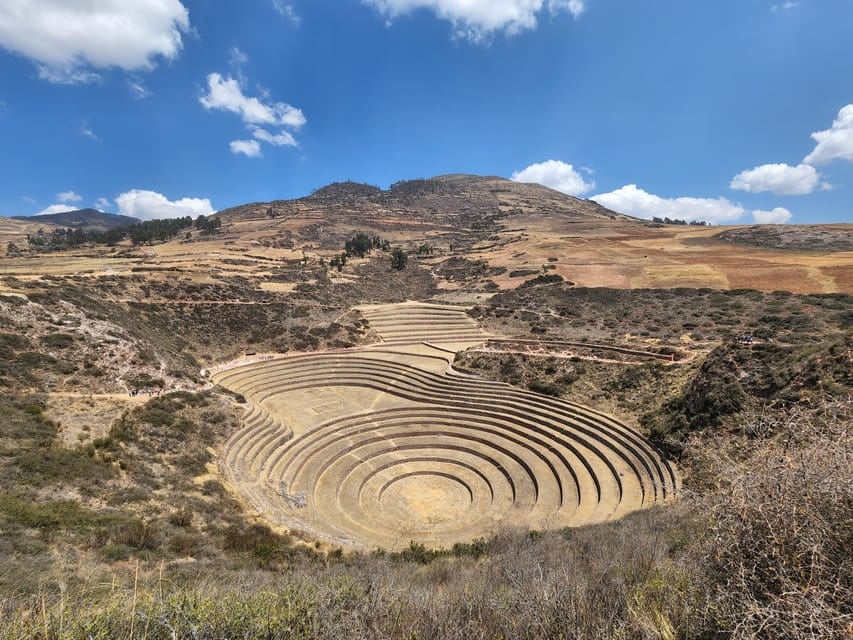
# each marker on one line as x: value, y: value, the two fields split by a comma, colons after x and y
x: 775, y: 556
x: 551, y: 278
x: 361, y: 244
x: 735, y: 379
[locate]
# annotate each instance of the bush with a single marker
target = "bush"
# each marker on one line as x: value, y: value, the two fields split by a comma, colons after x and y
x: 182, y: 517
x: 551, y: 278
x: 399, y: 259
x: 184, y: 544
x: 776, y: 554
x: 547, y: 388
x: 46, y: 515
x: 137, y: 534
x: 57, y: 340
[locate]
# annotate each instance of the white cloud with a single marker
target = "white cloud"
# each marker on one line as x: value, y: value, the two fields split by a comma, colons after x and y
x: 55, y: 208
x: 287, y: 11
x: 785, y: 6
x: 781, y: 179
x: 779, y: 215
x: 250, y: 148
x: 138, y: 90
x: 68, y: 39
x: 636, y: 202
x: 102, y: 204
x: 150, y: 205
x: 557, y: 175
x: 477, y: 19
x: 238, y: 57
x: 226, y: 94
x: 68, y: 196
x: 67, y: 75
x: 283, y: 139
x: 88, y: 133
x: 835, y: 143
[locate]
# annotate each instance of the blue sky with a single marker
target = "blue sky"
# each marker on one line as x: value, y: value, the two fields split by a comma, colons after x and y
x: 728, y: 110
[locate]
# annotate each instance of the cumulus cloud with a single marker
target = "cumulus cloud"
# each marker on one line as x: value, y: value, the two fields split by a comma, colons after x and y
x: 68, y: 39
x: 779, y: 215
x: 225, y: 94
x: 68, y: 196
x: 638, y: 203
x: 834, y: 143
x: 55, y: 208
x: 250, y: 148
x: 150, y: 205
x: 477, y: 19
x: 283, y: 139
x: 557, y: 175
x: 781, y: 179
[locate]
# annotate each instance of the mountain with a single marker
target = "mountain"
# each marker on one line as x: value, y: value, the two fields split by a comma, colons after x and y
x: 85, y: 219
x: 462, y: 201
x: 514, y: 230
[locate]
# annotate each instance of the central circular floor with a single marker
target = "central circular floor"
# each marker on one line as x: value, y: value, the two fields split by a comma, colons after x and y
x: 425, y: 499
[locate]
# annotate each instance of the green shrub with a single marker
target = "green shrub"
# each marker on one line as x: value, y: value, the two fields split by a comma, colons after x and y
x: 137, y: 534
x: 68, y: 514
x: 57, y: 340
x: 547, y: 388
x: 551, y: 278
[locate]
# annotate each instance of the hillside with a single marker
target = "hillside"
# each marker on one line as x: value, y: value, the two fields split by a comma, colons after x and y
x: 490, y: 233
x: 823, y: 237
x: 85, y: 219
x: 551, y: 420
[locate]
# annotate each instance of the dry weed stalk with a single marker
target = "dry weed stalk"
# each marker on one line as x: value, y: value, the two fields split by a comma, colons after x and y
x: 777, y: 553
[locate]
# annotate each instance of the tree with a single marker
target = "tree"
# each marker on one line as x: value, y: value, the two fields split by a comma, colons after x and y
x: 359, y: 245
x: 338, y: 262
x: 399, y: 259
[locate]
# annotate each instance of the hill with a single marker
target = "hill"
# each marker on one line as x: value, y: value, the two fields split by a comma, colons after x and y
x: 818, y: 237
x: 85, y: 219
x: 520, y: 229
x: 494, y: 234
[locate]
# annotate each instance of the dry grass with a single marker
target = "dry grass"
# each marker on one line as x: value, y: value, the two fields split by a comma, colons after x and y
x: 776, y: 553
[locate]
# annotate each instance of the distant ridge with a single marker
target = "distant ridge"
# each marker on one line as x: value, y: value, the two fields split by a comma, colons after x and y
x: 460, y: 200
x: 85, y: 219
